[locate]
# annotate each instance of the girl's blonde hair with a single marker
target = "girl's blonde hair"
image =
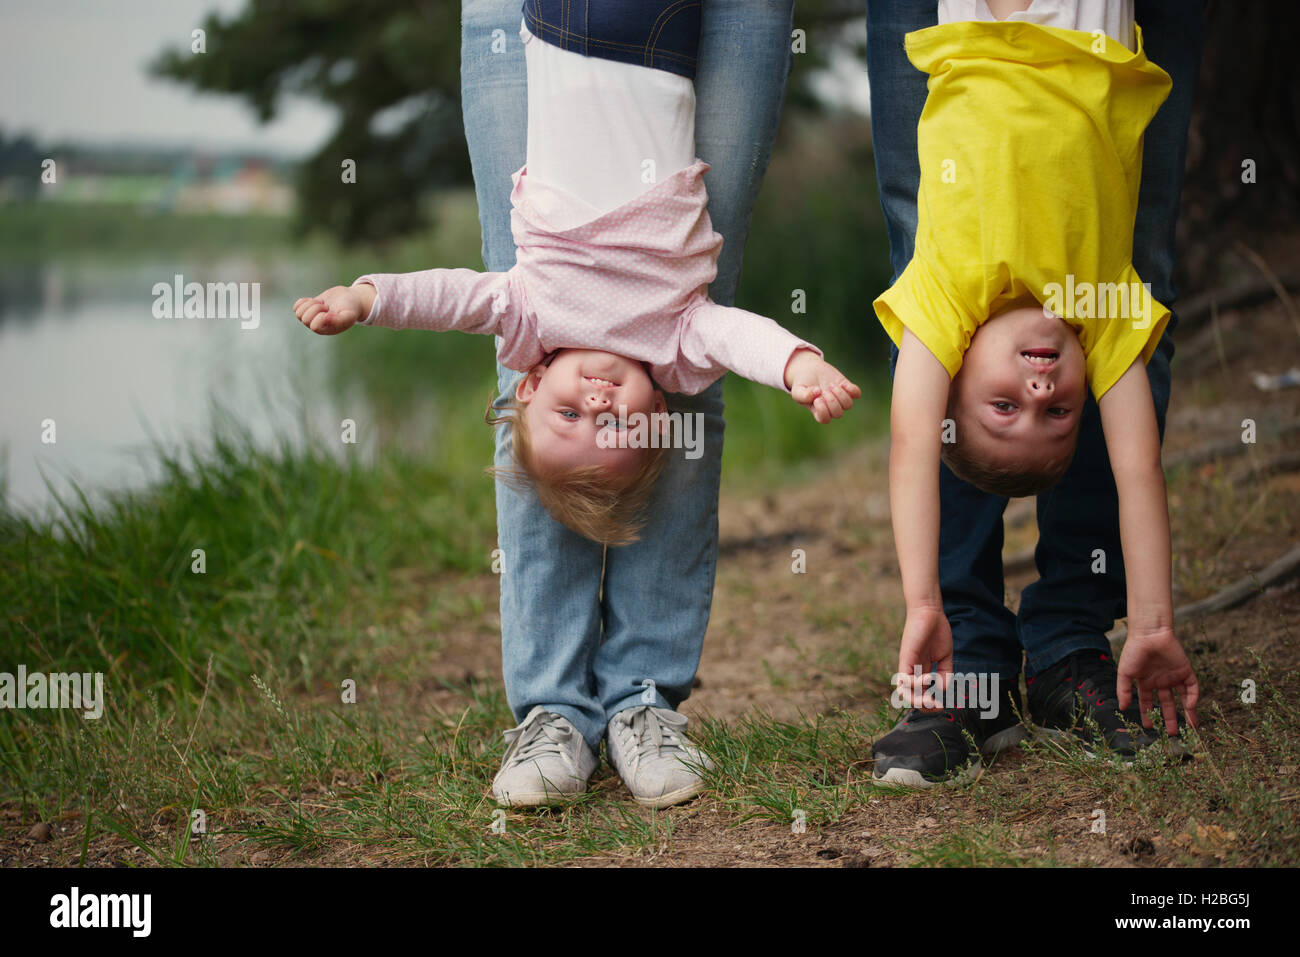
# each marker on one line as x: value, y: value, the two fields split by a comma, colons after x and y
x: 606, y: 508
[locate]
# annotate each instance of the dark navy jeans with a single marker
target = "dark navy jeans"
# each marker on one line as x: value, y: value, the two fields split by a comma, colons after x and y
x: 1069, y: 608
x: 664, y: 34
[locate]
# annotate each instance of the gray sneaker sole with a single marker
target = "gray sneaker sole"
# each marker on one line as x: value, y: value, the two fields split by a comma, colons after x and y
x: 911, y: 778
x: 672, y: 797
x: 536, y: 798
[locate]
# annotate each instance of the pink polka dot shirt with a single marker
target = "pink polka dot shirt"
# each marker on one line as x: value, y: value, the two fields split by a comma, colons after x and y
x: 632, y: 281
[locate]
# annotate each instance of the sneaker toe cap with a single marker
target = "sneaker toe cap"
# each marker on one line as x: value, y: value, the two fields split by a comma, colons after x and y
x: 534, y: 782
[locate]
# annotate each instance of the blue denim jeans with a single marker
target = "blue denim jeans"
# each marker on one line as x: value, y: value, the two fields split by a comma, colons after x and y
x: 584, y: 628
x: 663, y: 34
x: 1068, y: 608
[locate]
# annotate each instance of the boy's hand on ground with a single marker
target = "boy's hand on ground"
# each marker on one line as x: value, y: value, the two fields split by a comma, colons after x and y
x: 818, y: 386
x: 926, y: 644
x: 336, y: 309
x: 1156, y: 662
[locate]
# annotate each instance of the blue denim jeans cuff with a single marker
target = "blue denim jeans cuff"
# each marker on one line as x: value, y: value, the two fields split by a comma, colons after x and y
x: 661, y: 34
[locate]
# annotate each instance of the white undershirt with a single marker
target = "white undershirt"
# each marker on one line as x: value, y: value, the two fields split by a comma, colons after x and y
x: 604, y: 131
x: 1114, y: 17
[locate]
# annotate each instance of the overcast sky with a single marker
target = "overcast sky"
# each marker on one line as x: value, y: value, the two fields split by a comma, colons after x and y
x: 76, y: 69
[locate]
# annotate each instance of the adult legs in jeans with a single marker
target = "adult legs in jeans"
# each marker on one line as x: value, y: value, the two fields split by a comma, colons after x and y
x: 652, y: 610
x: 551, y: 577
x: 970, y: 528
x: 1064, y: 610
x: 658, y: 591
x: 1069, y: 608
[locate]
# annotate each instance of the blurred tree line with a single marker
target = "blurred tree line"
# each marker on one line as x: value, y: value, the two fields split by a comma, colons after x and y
x: 19, y: 156
x: 391, y: 68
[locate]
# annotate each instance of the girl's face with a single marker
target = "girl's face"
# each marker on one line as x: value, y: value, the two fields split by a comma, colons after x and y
x: 566, y: 399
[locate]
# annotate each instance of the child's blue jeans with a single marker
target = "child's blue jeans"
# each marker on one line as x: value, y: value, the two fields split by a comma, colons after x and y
x: 662, y: 34
x: 1069, y: 607
x: 585, y: 630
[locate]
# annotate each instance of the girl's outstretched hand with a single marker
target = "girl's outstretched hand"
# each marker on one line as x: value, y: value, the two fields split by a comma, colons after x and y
x: 336, y: 309
x: 818, y: 386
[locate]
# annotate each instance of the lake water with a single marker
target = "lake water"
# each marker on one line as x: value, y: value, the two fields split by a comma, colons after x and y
x: 80, y: 345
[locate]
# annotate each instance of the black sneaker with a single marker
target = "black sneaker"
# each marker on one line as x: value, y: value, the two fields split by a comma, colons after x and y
x: 1080, y: 691
x: 928, y: 747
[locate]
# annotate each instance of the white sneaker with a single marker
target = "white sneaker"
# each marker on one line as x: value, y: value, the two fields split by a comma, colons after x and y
x: 546, y: 761
x: 649, y: 749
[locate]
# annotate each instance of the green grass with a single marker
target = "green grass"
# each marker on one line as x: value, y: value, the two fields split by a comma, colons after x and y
x: 984, y: 845
x: 767, y: 769
x: 36, y: 232
x: 222, y: 684
x: 267, y: 774
x: 398, y: 781
x: 299, y: 542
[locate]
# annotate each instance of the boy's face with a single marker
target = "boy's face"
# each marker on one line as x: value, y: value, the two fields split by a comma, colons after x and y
x: 1019, y: 394
x: 565, y: 398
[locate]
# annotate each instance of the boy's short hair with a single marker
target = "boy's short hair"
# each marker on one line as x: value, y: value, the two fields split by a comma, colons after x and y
x: 1011, y: 481
x: 606, y: 508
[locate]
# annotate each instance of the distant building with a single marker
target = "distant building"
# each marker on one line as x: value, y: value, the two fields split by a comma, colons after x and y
x: 249, y: 187
x: 181, y: 181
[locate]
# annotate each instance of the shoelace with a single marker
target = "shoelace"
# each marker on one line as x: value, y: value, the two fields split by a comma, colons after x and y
x: 543, y: 736
x: 651, y: 733
x: 916, y: 714
x: 1091, y: 676
x: 1091, y: 679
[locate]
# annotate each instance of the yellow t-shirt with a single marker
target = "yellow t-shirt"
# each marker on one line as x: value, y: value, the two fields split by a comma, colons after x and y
x: 1030, y: 147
